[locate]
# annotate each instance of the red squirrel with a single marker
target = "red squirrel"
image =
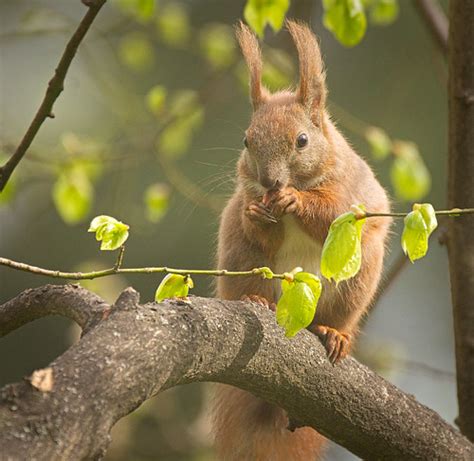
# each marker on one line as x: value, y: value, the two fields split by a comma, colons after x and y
x: 295, y: 175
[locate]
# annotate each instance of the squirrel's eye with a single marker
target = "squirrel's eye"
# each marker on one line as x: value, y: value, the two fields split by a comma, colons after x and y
x: 246, y: 144
x: 301, y: 140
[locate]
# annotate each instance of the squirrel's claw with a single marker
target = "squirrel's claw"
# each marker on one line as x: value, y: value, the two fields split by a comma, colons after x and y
x: 257, y: 211
x: 337, y: 344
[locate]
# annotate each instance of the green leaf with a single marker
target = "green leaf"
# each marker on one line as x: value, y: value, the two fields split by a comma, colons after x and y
x: 259, y: 13
x: 312, y: 281
x: 173, y: 25
x: 136, y: 52
x: 155, y: 99
x: 419, y: 224
x: 342, y: 254
x: 383, y: 12
x: 297, y: 304
x: 346, y: 20
x: 100, y: 221
x: 380, y: 144
x: 174, y: 286
x: 429, y: 215
x: 410, y: 177
x: 415, y: 236
x: 110, y: 231
x: 141, y: 10
x: 156, y: 201
x: 73, y: 195
x: 218, y: 45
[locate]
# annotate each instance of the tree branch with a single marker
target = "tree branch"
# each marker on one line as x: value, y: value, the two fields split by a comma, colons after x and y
x: 436, y: 20
x: 460, y: 237
x: 55, y: 87
x: 71, y: 301
x: 141, y: 350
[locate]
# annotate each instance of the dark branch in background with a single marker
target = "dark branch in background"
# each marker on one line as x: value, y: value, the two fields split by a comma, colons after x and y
x: 141, y: 350
x: 55, y: 87
x: 436, y: 20
x: 460, y: 236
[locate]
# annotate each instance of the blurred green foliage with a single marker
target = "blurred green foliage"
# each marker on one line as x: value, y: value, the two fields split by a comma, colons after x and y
x: 260, y: 13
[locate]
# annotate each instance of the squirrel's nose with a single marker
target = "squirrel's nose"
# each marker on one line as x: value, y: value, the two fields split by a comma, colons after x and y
x: 269, y: 183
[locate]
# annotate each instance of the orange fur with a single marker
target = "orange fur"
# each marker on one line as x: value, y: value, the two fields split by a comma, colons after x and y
x: 306, y: 189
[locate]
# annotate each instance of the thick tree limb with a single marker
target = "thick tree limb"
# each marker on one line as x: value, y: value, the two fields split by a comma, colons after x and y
x: 79, y: 304
x: 436, y: 20
x: 55, y: 87
x: 460, y: 236
x: 140, y: 350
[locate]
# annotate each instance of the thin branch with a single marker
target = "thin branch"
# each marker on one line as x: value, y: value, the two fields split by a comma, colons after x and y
x: 142, y: 350
x: 55, y: 87
x: 452, y: 212
x: 436, y: 20
x: 259, y: 271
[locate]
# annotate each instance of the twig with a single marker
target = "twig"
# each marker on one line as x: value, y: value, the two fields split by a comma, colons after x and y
x: 452, y: 212
x: 55, y: 87
x: 436, y: 20
x: 135, y: 270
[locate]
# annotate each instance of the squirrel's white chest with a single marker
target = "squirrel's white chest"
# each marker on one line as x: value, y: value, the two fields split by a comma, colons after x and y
x: 297, y: 250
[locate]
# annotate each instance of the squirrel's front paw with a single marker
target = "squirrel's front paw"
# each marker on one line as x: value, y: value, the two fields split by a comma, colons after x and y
x: 259, y: 213
x: 282, y: 201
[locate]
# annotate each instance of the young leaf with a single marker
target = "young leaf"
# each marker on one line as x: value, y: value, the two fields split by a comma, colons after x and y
x: 72, y: 195
x: 155, y: 99
x: 410, y: 177
x: 156, y: 201
x: 415, y: 236
x: 383, y: 12
x: 174, y: 286
x: 380, y: 144
x: 111, y: 232
x: 297, y: 304
x: 346, y: 20
x: 342, y: 254
x: 266, y: 272
x: 136, y: 52
x: 173, y: 25
x: 419, y: 224
x: 259, y: 13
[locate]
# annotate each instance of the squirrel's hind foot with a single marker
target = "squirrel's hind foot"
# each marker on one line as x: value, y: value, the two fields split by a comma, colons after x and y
x: 337, y: 344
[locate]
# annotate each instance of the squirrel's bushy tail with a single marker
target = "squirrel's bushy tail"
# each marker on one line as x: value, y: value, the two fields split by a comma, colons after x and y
x: 247, y: 428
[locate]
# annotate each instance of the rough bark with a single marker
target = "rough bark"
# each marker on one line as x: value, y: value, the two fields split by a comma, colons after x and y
x: 461, y: 192
x: 138, y: 351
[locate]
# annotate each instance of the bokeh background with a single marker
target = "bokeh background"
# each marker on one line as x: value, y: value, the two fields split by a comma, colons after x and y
x: 148, y: 130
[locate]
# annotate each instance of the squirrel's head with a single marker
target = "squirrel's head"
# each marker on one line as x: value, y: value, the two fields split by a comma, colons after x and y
x: 286, y: 143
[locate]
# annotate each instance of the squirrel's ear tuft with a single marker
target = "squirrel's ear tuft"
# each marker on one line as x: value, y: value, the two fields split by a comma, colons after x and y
x: 312, y: 87
x: 253, y: 57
